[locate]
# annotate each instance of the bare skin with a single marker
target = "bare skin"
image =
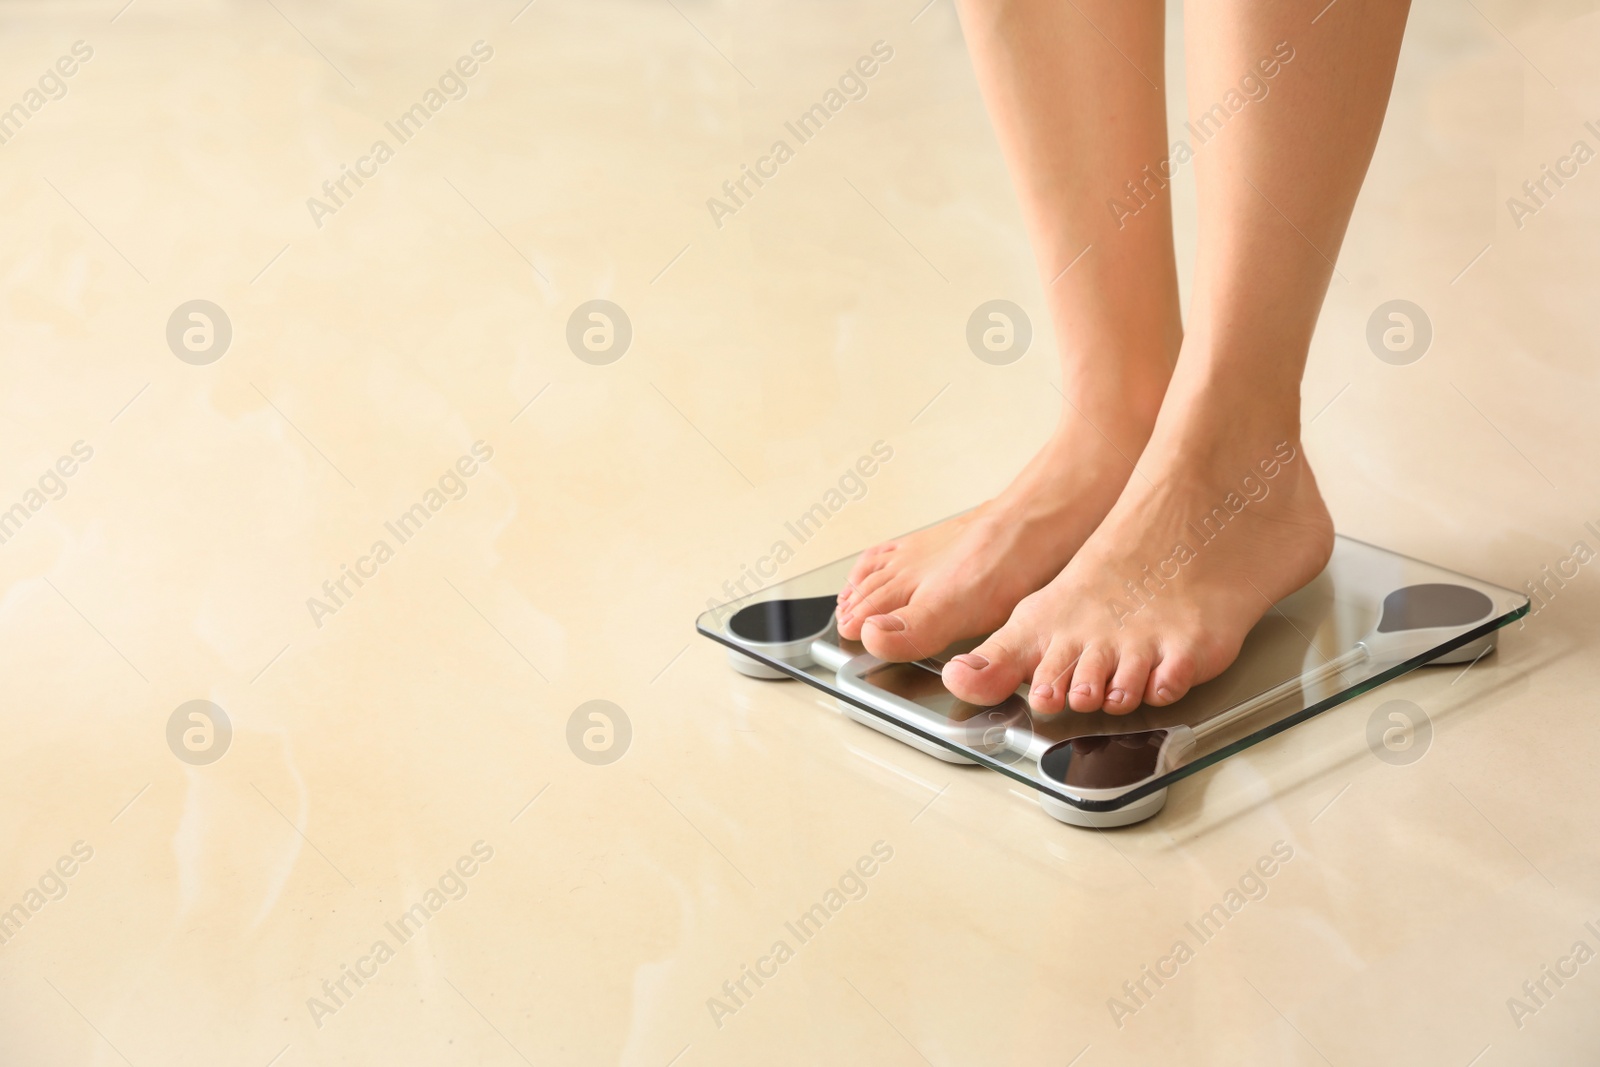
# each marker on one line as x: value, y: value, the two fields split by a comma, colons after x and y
x: 1069, y: 109
x: 1087, y: 642
x: 963, y: 577
x: 1277, y: 184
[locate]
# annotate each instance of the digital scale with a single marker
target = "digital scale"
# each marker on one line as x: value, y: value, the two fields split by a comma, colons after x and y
x: 1370, y: 616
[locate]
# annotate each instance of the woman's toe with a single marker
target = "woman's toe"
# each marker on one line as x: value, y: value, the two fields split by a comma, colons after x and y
x: 1048, y: 693
x: 1089, y: 678
x: 1127, y: 685
x: 991, y: 672
x: 865, y: 565
x: 910, y: 629
x: 874, y: 595
x: 1171, y: 678
x: 873, y: 562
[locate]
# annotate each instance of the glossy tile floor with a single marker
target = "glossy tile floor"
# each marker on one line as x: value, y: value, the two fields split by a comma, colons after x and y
x: 388, y: 834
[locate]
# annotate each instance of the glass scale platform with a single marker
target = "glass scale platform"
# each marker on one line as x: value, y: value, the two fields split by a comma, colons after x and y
x: 1370, y: 616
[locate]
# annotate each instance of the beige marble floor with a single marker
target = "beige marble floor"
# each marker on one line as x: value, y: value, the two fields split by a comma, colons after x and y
x: 414, y: 727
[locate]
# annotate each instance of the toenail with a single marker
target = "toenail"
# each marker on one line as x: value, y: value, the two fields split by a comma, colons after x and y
x: 971, y: 661
x: 1163, y: 692
x: 1116, y: 696
x: 1044, y: 692
x: 888, y: 623
x: 1083, y: 690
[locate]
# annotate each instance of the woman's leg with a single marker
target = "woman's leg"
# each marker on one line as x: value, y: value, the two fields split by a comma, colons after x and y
x: 1230, y: 520
x: 1072, y: 92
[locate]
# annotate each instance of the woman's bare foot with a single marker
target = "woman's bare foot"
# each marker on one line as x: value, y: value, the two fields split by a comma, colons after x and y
x: 1161, y: 596
x: 909, y: 598
x: 1072, y: 117
x: 1152, y: 602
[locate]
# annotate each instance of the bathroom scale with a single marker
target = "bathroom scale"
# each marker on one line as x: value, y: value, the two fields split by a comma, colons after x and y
x: 1369, y: 617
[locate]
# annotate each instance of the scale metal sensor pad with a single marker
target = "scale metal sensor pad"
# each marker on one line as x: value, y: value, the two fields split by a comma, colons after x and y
x: 1370, y: 616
